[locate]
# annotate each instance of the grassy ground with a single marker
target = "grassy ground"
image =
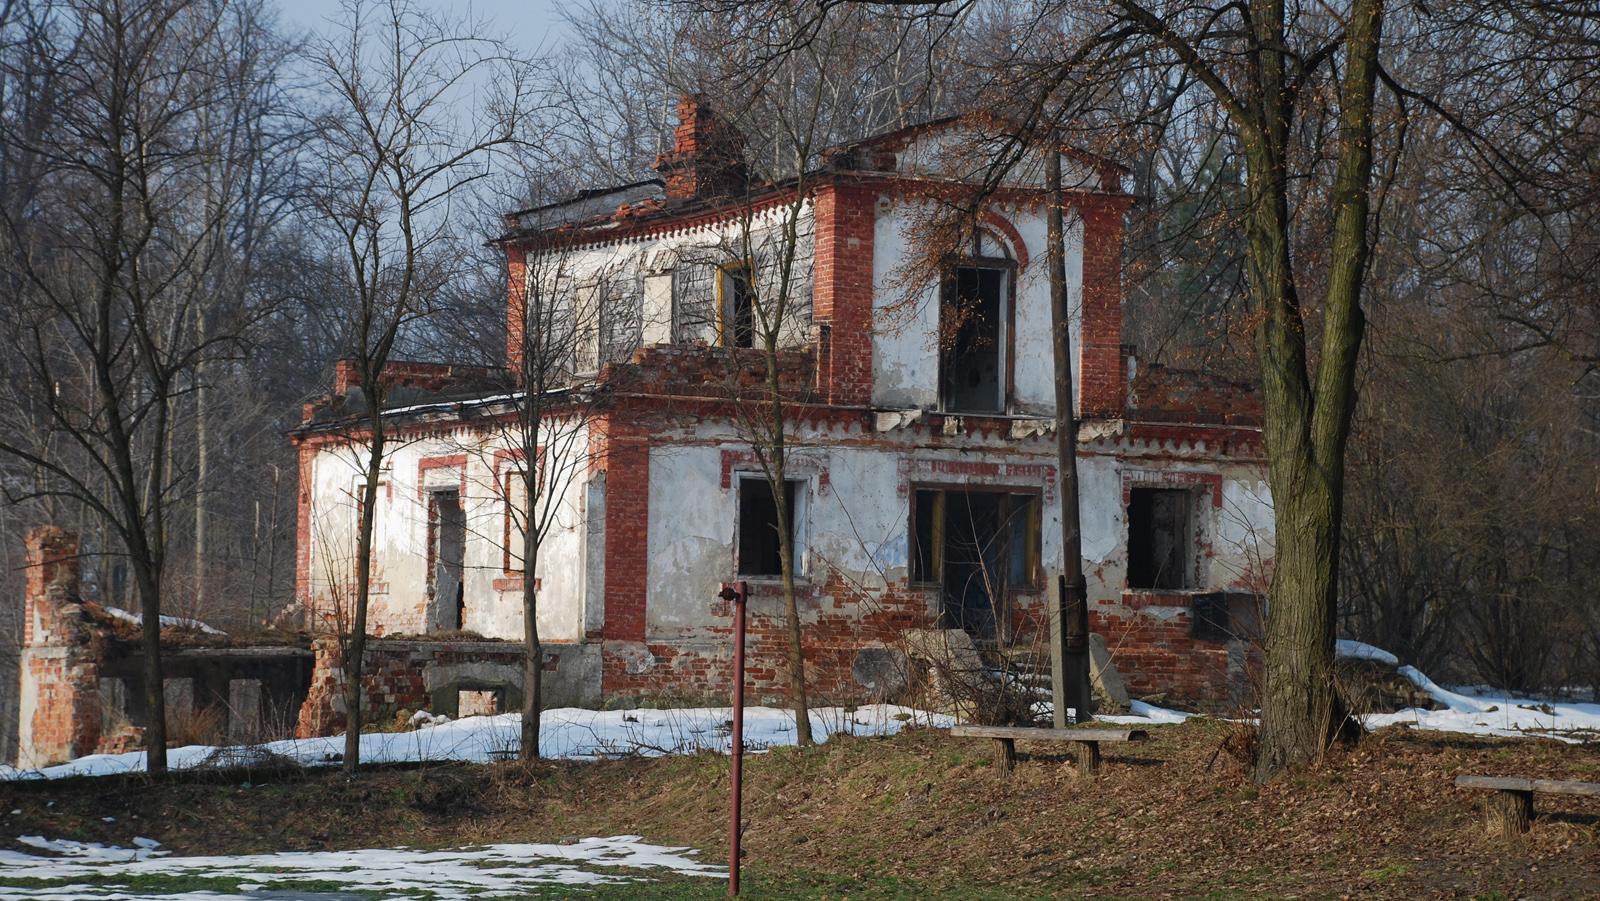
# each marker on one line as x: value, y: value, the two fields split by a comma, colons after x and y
x: 923, y: 815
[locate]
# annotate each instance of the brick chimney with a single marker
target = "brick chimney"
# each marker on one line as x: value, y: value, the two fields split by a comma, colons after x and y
x: 707, y: 157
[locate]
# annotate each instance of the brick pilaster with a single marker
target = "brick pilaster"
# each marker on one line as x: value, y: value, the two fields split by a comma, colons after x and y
x: 516, y: 305
x: 1103, y: 391
x: 842, y: 301
x: 623, y: 451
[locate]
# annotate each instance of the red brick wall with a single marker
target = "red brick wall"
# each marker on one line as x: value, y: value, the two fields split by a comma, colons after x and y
x: 1164, y: 394
x: 516, y: 304
x: 623, y: 452
x: 1104, y: 387
x: 432, y: 377
x: 842, y: 293
x: 60, y: 668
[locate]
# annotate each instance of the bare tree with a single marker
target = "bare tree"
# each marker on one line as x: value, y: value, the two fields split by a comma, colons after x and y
x: 119, y: 211
x: 400, y: 140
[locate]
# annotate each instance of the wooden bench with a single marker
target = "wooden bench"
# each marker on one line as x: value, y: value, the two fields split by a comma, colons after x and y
x: 1510, y: 811
x: 1087, y: 740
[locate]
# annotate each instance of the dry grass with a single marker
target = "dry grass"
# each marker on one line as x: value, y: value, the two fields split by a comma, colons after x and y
x: 199, y: 726
x: 1174, y: 818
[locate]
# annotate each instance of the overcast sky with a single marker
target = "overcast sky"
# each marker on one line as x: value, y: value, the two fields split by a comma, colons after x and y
x: 531, y: 24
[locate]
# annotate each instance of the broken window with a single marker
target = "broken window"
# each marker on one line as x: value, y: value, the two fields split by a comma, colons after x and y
x: 621, y: 323
x: 447, y: 538
x: 515, y: 492
x: 978, y: 547
x: 760, y: 552
x: 1160, y: 538
x: 737, y: 290
x: 973, y: 339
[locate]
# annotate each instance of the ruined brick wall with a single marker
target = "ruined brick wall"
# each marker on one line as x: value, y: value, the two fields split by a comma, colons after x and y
x: 1164, y: 394
x: 1104, y: 390
x: 431, y: 675
x: 430, y: 377
x: 714, y: 373
x: 59, y: 706
x: 842, y: 298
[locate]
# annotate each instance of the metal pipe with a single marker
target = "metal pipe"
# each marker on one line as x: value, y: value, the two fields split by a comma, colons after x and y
x: 736, y: 593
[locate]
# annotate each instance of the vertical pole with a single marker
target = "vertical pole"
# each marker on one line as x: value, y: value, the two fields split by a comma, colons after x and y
x: 736, y: 593
x: 1069, y: 609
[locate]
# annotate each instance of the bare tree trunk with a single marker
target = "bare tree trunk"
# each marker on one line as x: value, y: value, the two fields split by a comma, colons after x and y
x: 1306, y: 425
x: 777, y: 477
x: 1069, y: 617
x: 355, y: 643
x: 533, y: 663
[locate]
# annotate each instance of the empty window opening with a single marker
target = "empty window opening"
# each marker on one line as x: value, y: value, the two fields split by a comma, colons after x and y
x: 738, y: 308
x: 760, y: 550
x: 972, y: 341
x: 1160, y: 538
x: 978, y: 547
x: 447, y: 539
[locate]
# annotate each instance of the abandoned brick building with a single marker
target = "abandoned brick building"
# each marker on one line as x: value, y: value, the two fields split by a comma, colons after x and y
x: 923, y: 476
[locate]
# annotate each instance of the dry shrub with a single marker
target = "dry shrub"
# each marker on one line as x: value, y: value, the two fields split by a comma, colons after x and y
x: 1240, y: 743
x: 200, y: 726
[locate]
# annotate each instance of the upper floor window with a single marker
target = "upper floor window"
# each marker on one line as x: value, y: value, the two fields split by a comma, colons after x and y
x: 975, y: 339
x: 736, y: 291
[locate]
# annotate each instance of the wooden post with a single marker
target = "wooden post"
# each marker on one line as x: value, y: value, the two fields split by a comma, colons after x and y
x: 1088, y: 758
x: 1509, y: 812
x: 1005, y: 755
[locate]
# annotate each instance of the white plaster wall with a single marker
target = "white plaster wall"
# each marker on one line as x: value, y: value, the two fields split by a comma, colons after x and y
x: 401, y: 527
x: 905, y: 360
x: 637, y: 263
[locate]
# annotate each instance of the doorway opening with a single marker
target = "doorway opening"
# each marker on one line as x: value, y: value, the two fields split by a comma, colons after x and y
x: 447, y: 540
x: 978, y: 548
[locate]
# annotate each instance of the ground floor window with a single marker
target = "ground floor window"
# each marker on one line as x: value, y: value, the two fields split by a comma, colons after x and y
x: 760, y: 552
x: 1160, y: 539
x: 977, y: 547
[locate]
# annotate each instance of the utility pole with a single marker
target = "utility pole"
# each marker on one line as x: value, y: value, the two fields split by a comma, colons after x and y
x: 1069, y: 601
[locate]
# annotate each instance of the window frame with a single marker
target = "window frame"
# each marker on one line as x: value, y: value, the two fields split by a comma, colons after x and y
x: 799, y: 516
x: 918, y: 577
x: 1192, y: 580
x: 731, y: 275
x: 1008, y: 299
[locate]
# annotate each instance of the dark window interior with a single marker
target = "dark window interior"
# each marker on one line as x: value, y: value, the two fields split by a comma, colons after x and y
x: 760, y: 553
x: 1159, y: 535
x: 971, y: 341
x: 447, y: 539
x: 977, y: 546
x: 739, y: 296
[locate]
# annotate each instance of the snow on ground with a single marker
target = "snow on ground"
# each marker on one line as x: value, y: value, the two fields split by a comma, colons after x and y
x: 1491, y: 712
x: 489, y: 871
x: 567, y: 732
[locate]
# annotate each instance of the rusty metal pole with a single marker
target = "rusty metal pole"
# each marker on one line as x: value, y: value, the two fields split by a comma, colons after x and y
x: 736, y: 593
x: 1069, y: 603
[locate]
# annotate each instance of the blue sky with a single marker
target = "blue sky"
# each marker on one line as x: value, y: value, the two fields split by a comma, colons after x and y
x: 531, y: 24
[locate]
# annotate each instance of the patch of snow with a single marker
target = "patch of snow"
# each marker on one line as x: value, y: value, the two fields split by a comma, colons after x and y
x: 506, y: 870
x: 1142, y: 714
x: 167, y: 622
x: 568, y: 732
x: 1487, y: 712
x: 1355, y: 650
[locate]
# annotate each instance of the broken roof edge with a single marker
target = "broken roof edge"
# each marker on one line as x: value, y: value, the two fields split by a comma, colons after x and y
x: 648, y: 200
x: 457, y: 409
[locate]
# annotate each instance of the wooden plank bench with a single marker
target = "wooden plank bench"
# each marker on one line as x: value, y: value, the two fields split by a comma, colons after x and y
x: 1087, y: 740
x: 1510, y: 810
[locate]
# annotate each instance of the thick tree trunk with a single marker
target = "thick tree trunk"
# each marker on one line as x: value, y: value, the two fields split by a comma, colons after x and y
x: 155, y: 696
x: 1307, y: 425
